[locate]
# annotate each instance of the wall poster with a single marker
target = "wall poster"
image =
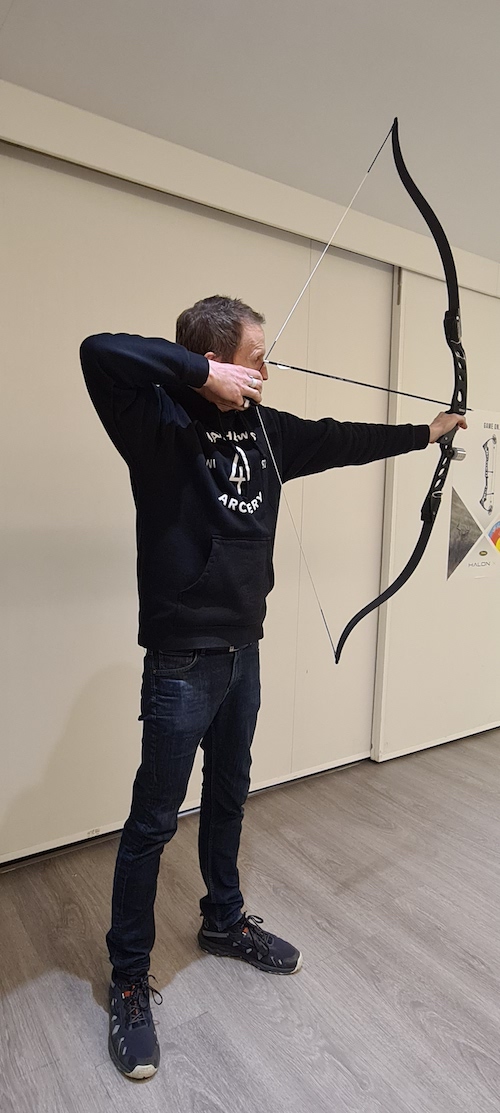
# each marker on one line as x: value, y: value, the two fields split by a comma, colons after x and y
x: 474, y: 540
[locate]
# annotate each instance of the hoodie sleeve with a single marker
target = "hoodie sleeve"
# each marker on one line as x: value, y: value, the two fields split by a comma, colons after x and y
x: 123, y: 373
x: 314, y: 446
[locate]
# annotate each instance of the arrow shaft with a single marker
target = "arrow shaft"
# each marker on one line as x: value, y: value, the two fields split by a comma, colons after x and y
x: 357, y: 382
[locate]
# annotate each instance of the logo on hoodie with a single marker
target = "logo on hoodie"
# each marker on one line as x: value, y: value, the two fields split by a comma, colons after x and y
x: 240, y: 471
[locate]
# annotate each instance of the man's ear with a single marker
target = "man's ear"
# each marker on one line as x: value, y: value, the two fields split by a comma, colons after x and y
x: 211, y: 355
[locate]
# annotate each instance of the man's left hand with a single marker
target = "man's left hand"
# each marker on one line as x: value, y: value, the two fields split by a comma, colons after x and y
x: 444, y: 423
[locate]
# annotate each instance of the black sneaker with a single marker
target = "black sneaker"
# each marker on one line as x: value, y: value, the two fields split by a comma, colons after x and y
x: 133, y: 1045
x: 249, y: 942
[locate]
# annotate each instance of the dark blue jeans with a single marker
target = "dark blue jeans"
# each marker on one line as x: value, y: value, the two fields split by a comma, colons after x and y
x: 186, y: 699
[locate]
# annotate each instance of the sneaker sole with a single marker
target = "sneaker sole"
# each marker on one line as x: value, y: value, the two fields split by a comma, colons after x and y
x: 145, y: 1070
x: 221, y: 953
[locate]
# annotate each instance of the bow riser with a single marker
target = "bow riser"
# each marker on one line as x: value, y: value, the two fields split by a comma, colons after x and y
x: 458, y: 401
x: 432, y: 500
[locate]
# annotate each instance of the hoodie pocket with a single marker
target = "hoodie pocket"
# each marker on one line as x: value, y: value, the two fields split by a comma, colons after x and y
x: 232, y: 588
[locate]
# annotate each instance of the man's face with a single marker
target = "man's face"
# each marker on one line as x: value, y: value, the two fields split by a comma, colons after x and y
x: 252, y: 348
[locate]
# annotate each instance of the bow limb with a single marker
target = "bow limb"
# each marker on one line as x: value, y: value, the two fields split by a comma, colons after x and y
x: 458, y: 404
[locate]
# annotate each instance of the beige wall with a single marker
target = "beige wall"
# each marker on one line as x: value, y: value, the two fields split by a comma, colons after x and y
x: 39, y: 123
x: 83, y: 253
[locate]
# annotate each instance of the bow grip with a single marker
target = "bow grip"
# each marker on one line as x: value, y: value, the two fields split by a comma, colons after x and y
x: 446, y: 444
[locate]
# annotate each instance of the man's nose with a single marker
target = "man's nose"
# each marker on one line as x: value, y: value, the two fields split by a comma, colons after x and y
x: 264, y: 372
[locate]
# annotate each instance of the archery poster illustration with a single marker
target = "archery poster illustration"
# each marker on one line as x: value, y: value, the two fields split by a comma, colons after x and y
x: 474, y: 541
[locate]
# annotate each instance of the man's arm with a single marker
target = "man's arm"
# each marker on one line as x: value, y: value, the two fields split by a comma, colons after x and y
x: 122, y: 372
x: 137, y: 361
x: 314, y: 446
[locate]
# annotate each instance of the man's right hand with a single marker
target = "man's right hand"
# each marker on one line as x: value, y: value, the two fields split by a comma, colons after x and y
x: 229, y: 384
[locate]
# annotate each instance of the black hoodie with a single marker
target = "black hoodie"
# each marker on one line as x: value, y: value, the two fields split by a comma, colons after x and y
x: 205, y: 488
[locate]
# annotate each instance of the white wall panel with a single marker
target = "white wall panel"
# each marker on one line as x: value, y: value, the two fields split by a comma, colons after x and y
x: 342, y: 516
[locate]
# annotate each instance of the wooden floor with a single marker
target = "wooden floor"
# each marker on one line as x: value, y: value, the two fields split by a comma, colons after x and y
x: 386, y: 876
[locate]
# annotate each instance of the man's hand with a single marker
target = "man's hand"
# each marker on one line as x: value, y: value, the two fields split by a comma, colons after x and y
x: 444, y: 423
x: 231, y: 387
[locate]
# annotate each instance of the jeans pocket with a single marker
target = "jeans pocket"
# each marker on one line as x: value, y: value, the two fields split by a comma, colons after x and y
x: 173, y: 664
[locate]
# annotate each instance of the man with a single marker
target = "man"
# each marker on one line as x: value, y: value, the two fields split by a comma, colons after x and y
x: 207, y: 497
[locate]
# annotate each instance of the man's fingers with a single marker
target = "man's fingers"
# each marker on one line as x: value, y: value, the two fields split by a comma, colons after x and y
x: 452, y: 420
x: 252, y: 395
x: 255, y: 379
x: 252, y: 390
x: 247, y: 403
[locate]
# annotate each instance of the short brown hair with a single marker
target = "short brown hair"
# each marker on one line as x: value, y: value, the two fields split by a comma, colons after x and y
x: 214, y: 325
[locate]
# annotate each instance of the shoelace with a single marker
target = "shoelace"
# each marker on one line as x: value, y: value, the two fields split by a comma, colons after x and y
x: 260, y: 939
x: 136, y: 999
